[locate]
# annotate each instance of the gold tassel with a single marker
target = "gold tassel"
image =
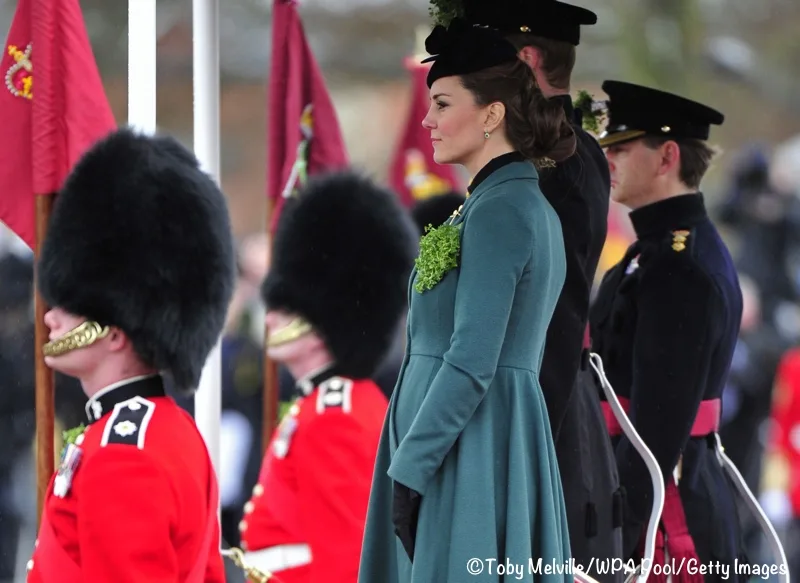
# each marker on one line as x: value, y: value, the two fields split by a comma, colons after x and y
x: 252, y: 574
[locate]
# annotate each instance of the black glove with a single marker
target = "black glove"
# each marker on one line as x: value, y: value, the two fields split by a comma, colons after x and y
x: 405, y: 513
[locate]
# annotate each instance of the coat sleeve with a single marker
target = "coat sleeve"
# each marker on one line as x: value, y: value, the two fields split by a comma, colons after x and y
x: 126, y: 512
x: 334, y: 473
x: 679, y: 314
x: 495, y: 250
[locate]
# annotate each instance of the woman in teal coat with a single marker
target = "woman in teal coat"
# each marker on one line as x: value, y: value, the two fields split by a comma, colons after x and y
x: 466, y: 481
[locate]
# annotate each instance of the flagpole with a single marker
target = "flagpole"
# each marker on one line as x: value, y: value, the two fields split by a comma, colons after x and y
x: 205, y: 41
x: 270, y: 404
x: 45, y: 377
x: 142, y: 38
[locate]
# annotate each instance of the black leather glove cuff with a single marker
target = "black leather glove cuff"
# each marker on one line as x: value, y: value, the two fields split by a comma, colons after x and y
x: 405, y: 513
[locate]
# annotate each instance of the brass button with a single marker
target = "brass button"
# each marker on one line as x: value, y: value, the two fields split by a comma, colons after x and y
x: 258, y: 490
x: 248, y: 508
x: 29, y: 566
x: 243, y: 526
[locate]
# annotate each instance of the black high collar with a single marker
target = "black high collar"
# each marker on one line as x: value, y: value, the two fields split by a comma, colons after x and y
x: 494, y: 165
x: 573, y: 115
x: 678, y: 212
x: 104, y: 400
x: 306, y: 385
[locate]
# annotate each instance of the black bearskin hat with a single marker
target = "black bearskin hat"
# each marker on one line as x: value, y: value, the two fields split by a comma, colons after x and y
x: 140, y: 239
x: 436, y: 209
x: 342, y: 255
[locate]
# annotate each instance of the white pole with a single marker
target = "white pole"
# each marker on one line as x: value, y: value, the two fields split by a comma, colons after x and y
x: 205, y: 30
x: 142, y: 38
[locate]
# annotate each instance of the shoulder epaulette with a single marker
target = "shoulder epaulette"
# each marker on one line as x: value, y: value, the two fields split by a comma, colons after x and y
x: 679, y: 240
x: 128, y: 422
x: 335, y: 392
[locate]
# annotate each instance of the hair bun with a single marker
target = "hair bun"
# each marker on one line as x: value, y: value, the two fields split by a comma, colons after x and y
x: 565, y: 147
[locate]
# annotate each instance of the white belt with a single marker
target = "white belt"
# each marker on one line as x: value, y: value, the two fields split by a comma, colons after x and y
x: 279, y: 558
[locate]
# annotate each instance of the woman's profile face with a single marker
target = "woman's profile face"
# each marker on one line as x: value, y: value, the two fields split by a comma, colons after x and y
x: 455, y: 122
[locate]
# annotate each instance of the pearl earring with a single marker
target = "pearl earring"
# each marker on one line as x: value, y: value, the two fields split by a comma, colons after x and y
x: 486, y: 135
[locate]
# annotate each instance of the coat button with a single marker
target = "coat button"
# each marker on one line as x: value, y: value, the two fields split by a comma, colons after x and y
x: 258, y: 490
x: 29, y: 566
x: 243, y: 526
x: 244, y: 546
x: 248, y: 508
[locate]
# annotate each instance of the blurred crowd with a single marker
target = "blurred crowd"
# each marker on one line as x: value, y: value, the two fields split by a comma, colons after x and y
x: 758, y: 210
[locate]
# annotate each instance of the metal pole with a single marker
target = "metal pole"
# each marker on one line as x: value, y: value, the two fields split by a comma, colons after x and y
x: 142, y: 37
x: 205, y: 27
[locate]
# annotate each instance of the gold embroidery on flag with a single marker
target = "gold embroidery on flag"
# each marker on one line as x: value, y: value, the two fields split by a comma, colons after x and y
x: 19, y: 77
x: 299, y: 174
x: 419, y: 181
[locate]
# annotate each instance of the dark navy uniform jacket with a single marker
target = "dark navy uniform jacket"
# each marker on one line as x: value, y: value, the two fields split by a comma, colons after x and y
x: 665, y: 323
x: 578, y: 189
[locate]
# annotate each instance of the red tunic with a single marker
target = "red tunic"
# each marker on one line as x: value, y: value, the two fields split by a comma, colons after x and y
x: 785, y: 438
x: 142, y: 502
x: 305, y: 521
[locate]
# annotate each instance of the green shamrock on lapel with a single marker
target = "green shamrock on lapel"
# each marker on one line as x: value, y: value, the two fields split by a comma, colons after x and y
x: 438, y: 253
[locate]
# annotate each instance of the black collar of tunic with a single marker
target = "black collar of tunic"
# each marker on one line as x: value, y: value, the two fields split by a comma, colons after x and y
x: 306, y: 385
x: 494, y: 165
x: 678, y: 212
x: 106, y: 399
x: 573, y: 115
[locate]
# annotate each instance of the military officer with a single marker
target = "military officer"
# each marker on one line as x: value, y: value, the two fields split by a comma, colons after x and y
x: 138, y: 268
x: 334, y: 294
x: 665, y: 323
x: 547, y: 34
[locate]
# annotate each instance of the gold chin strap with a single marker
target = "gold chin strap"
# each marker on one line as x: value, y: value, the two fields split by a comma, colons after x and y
x: 79, y: 337
x: 294, y: 330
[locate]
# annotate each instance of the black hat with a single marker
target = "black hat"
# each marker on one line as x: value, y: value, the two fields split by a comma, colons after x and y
x: 140, y: 239
x: 342, y: 255
x: 436, y: 209
x: 463, y: 48
x: 546, y: 18
x: 635, y: 111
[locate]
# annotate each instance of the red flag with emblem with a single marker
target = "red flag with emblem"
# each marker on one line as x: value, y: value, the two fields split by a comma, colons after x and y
x: 47, y: 126
x: 413, y: 173
x: 304, y: 135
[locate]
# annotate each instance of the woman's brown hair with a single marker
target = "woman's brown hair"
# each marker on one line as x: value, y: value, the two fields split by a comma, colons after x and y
x: 535, y: 126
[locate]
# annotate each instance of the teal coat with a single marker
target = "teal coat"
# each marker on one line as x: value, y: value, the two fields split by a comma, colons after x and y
x: 467, y: 425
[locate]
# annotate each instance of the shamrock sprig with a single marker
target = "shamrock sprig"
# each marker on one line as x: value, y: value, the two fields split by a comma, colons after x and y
x: 438, y: 253
x: 444, y: 11
x: 69, y: 436
x: 592, y: 112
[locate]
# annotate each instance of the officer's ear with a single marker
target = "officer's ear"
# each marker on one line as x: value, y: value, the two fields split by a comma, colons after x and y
x: 117, y: 339
x: 531, y: 56
x: 670, y: 158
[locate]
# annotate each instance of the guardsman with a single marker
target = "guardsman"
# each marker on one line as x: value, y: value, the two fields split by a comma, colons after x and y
x: 547, y: 34
x: 334, y: 294
x: 780, y: 486
x: 138, y: 268
x: 665, y: 323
